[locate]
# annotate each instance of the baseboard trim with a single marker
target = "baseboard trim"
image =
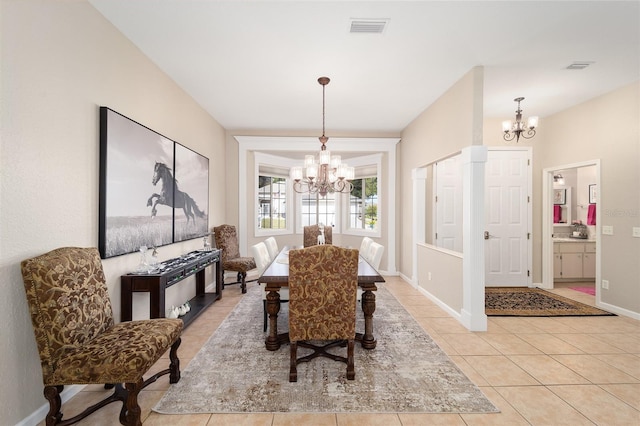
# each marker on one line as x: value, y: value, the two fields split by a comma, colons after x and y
x: 38, y: 416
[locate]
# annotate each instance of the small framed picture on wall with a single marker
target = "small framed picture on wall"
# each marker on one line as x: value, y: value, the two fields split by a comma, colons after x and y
x: 592, y: 193
x: 559, y: 196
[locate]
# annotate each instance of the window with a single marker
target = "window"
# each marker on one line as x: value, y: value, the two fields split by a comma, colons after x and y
x: 363, y: 204
x: 272, y: 197
x: 317, y: 209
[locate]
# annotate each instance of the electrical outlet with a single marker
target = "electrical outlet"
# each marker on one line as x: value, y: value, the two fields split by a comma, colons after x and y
x: 607, y: 230
x: 636, y: 231
x: 605, y: 284
x: 429, y: 276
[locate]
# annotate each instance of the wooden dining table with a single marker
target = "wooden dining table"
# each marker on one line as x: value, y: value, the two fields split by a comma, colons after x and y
x: 276, y: 276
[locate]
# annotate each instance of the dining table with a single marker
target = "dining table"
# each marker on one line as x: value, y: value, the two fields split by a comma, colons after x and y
x: 276, y: 276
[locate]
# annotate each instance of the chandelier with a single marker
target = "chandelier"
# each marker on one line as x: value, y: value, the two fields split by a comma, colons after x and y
x: 325, y: 174
x: 517, y: 129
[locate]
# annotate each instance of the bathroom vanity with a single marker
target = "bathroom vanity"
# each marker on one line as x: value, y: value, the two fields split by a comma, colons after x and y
x: 574, y: 259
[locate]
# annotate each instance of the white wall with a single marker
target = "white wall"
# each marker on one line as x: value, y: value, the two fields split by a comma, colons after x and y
x: 60, y: 62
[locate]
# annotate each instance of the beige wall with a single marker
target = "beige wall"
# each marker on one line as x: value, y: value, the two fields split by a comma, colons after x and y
x: 606, y: 128
x: 446, y: 127
x: 60, y: 62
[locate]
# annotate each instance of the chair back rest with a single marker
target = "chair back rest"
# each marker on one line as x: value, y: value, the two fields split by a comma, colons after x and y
x: 375, y: 254
x: 323, y: 282
x: 68, y: 301
x: 261, y: 256
x: 311, y: 232
x: 227, y: 241
x: 272, y: 247
x: 364, y: 247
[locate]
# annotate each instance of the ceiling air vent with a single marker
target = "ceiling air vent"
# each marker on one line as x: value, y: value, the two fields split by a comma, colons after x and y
x: 368, y: 26
x: 579, y: 65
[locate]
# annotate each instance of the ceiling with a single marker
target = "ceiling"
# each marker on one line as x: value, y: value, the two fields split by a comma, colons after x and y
x: 255, y: 64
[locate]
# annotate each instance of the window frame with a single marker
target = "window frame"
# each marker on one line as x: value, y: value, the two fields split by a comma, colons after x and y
x: 361, y: 165
x: 269, y: 165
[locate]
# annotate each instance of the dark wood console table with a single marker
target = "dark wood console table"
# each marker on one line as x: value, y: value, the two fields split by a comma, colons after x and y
x: 172, y: 272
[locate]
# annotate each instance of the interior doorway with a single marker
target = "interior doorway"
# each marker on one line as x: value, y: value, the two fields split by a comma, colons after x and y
x: 576, y: 209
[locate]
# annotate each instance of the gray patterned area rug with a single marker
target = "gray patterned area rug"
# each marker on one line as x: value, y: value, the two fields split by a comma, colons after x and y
x: 406, y: 372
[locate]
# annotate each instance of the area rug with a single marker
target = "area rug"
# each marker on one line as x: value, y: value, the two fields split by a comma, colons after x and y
x: 406, y: 372
x: 588, y: 290
x: 533, y: 302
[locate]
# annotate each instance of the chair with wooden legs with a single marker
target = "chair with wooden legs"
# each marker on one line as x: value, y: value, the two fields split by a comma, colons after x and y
x: 226, y: 239
x: 322, y: 304
x: 78, y: 340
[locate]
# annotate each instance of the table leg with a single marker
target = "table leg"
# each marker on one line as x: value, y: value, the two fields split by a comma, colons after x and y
x: 273, y: 307
x: 368, y: 307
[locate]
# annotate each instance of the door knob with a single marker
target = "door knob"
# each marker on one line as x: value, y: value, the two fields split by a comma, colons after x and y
x: 486, y: 235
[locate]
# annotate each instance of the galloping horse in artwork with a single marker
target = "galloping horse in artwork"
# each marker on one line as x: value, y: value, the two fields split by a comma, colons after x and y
x: 170, y: 195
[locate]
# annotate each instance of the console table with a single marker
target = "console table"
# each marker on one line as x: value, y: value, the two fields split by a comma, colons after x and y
x: 171, y: 272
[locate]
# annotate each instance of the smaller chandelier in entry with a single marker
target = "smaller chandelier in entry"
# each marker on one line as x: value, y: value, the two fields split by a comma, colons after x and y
x: 325, y: 174
x: 519, y: 128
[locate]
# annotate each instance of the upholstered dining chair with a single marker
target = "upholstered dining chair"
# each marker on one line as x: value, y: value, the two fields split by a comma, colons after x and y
x: 375, y: 254
x: 322, y: 303
x: 311, y: 232
x: 364, y: 247
x: 227, y: 240
x: 78, y: 341
x: 272, y: 247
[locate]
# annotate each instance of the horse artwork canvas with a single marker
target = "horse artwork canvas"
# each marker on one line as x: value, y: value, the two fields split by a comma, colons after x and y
x: 191, y: 194
x: 153, y: 191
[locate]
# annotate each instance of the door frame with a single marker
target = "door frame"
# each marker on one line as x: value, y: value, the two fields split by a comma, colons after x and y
x: 547, y: 223
x: 529, y: 206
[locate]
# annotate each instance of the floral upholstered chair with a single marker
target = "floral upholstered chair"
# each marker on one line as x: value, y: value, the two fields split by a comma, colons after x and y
x: 78, y: 341
x: 227, y: 241
x: 322, y: 303
x: 310, y: 235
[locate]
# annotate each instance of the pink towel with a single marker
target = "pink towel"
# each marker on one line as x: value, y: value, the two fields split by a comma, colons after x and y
x: 557, y: 214
x: 591, y: 214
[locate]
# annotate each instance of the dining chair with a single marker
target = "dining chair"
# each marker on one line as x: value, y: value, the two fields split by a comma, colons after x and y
x: 263, y: 259
x: 311, y: 232
x: 227, y: 240
x: 364, y: 247
x: 79, y: 342
x: 322, y: 304
x: 272, y: 247
x: 375, y: 254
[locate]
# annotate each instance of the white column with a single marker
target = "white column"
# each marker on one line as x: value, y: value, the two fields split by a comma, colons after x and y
x: 473, y: 226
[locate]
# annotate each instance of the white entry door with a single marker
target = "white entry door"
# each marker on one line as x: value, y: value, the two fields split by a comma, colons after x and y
x: 508, y: 218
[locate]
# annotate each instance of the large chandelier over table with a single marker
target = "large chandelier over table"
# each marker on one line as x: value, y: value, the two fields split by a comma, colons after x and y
x: 519, y: 128
x: 325, y: 174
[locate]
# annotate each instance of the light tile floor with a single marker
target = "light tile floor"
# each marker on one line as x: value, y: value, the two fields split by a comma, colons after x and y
x: 537, y: 371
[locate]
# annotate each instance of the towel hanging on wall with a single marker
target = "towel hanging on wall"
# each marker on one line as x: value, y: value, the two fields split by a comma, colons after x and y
x: 591, y: 214
x: 557, y: 214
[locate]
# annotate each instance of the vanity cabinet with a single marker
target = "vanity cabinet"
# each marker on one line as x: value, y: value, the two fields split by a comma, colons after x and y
x: 574, y: 260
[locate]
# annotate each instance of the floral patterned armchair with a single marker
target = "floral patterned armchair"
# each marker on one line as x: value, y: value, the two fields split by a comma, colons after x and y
x: 322, y: 303
x: 227, y: 241
x: 78, y: 341
x: 310, y: 235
